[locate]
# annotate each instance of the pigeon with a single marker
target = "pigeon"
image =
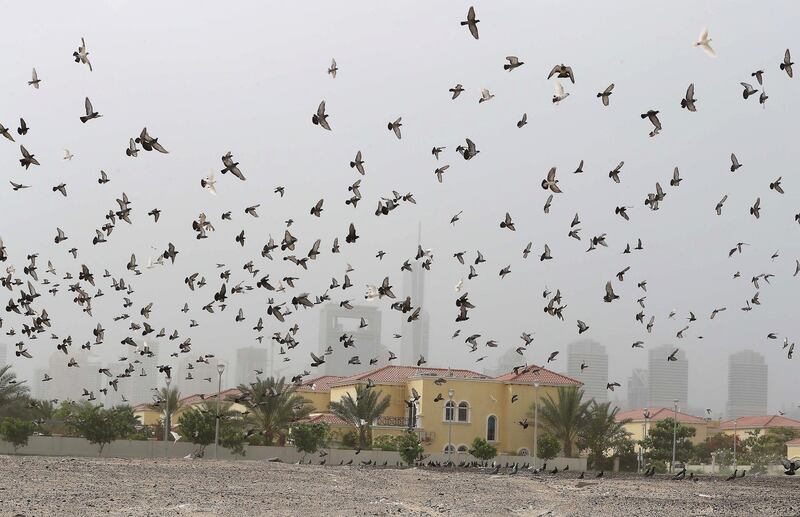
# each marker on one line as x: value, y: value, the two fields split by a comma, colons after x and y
x: 562, y: 71
x: 333, y: 69
x: 748, y: 90
x: 559, y: 93
x: 90, y: 112
x: 485, y: 96
x: 82, y: 55
x: 395, y: 127
x: 320, y: 118
x: 605, y: 94
x: 689, y: 100
x: 34, y: 79
x: 513, y: 62
x: 472, y: 22
x: 787, y: 63
x: 704, y: 42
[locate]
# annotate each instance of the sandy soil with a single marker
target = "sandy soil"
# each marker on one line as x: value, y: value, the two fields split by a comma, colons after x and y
x: 41, y: 486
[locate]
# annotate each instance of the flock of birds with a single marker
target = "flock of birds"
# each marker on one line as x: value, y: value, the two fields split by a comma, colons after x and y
x: 28, y: 318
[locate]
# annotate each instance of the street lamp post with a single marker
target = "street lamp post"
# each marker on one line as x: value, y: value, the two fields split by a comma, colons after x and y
x: 646, y: 415
x: 166, y: 420
x: 450, y: 394
x: 674, y: 432
x: 220, y: 369
x: 535, y: 421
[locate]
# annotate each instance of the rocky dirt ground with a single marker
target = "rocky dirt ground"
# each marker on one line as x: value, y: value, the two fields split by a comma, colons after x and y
x: 43, y: 486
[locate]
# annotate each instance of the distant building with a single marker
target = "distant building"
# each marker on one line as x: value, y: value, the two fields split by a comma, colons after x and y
x: 747, y: 384
x: 745, y: 425
x: 642, y: 420
x: 68, y: 383
x: 198, y: 377
x: 667, y: 380
x: 248, y: 360
x: 595, y: 376
x: 416, y: 333
x: 335, y: 321
x: 638, y: 393
x: 3, y: 354
x: 139, y: 388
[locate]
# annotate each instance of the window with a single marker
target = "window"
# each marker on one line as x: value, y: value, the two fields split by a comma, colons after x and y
x: 449, y: 448
x: 491, y: 428
x: 412, y: 418
x: 449, y: 410
x: 463, y: 448
x: 523, y: 452
x: 463, y: 411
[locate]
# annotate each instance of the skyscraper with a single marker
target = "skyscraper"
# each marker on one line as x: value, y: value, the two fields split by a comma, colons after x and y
x: 334, y: 322
x: 199, y: 377
x: 747, y: 384
x: 415, y: 334
x: 3, y: 354
x: 595, y: 375
x: 638, y: 396
x: 249, y: 359
x: 667, y: 380
x: 68, y: 383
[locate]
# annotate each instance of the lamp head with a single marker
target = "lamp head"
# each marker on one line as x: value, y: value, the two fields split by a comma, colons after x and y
x: 220, y: 368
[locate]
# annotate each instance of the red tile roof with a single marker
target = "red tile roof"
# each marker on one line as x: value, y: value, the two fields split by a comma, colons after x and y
x: 324, y: 418
x: 544, y: 376
x: 397, y: 374
x: 199, y: 398
x: 321, y: 384
x: 766, y: 421
x: 658, y: 413
x: 796, y: 441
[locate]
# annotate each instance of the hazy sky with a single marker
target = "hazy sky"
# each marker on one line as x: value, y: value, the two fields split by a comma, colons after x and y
x: 246, y: 78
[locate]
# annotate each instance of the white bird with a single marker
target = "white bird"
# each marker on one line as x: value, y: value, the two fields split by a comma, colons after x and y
x: 372, y: 293
x: 68, y: 155
x: 559, y: 94
x: 485, y: 96
x: 459, y: 285
x: 209, y: 183
x: 704, y: 41
x: 175, y: 436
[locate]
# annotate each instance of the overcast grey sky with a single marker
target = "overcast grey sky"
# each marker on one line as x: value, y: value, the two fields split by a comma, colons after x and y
x: 247, y: 77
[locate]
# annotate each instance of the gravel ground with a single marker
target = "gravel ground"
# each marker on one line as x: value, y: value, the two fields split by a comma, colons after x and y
x: 43, y: 486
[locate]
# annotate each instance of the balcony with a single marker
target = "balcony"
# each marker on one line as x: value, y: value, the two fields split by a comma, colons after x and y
x: 392, y: 421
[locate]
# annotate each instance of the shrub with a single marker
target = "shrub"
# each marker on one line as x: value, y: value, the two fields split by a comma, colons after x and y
x: 385, y: 442
x: 16, y: 431
x: 409, y: 446
x: 547, y: 447
x: 349, y: 440
x: 482, y: 449
x: 308, y: 438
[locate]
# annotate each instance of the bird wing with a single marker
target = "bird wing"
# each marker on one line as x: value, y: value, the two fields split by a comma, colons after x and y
x: 88, y: 105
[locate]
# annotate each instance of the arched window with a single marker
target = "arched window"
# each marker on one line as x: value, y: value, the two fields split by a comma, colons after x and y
x: 449, y: 448
x: 463, y: 411
x: 449, y: 411
x: 523, y: 452
x: 462, y: 448
x: 491, y: 428
x: 412, y: 417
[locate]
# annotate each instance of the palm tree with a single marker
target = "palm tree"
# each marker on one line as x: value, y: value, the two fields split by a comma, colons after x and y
x: 362, y: 411
x: 273, y: 406
x: 167, y: 399
x: 564, y: 417
x: 10, y: 388
x: 602, y: 432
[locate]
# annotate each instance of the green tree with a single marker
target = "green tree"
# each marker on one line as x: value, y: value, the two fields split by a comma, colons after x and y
x: 564, y: 416
x: 658, y: 443
x: 16, y: 431
x: 482, y: 449
x: 98, y: 425
x: 274, y: 405
x: 308, y: 438
x: 166, y: 399
x: 701, y: 453
x: 199, y: 425
x: 409, y: 446
x: 547, y: 447
x: 601, y: 433
x: 361, y: 411
x: 385, y: 442
x: 13, y: 393
x: 762, y: 449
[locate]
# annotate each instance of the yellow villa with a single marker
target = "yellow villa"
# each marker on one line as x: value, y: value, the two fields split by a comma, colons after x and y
x: 744, y: 425
x: 793, y: 449
x: 639, y: 426
x: 463, y: 403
